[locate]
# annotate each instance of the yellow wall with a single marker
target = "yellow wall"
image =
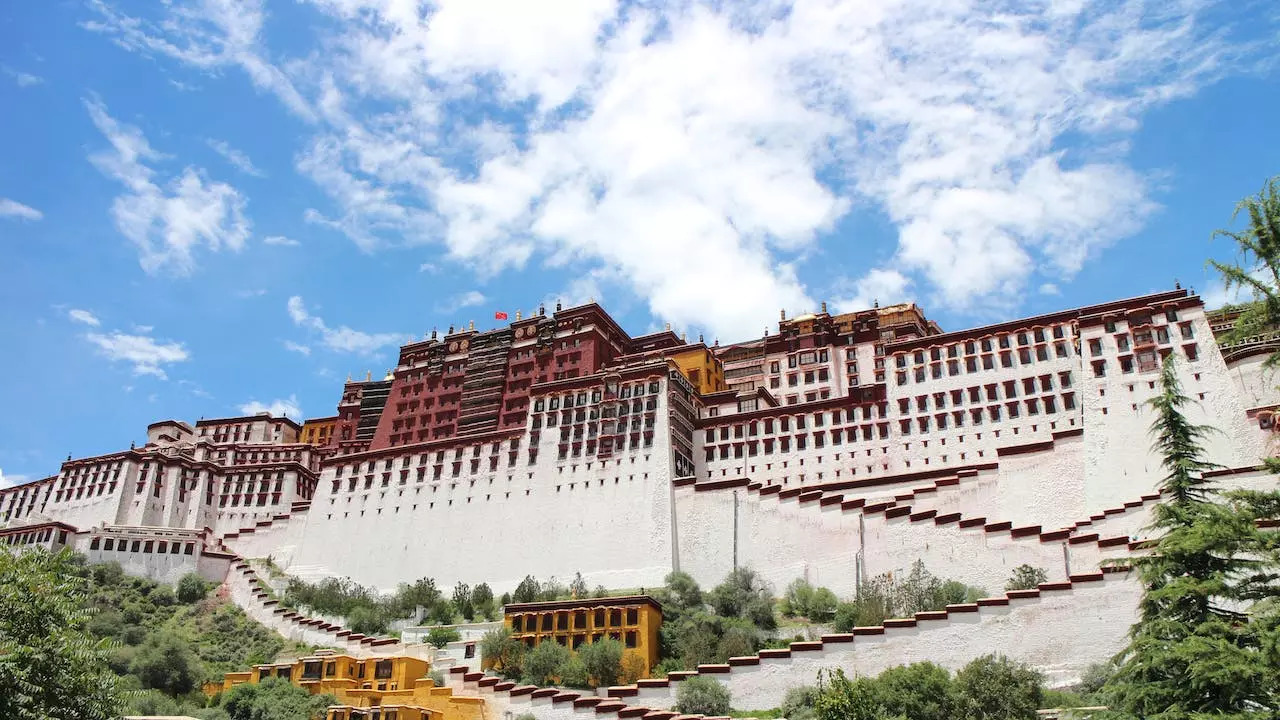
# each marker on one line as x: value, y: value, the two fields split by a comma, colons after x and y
x: 573, y: 623
x: 317, y: 432
x: 702, y: 368
x: 397, y: 685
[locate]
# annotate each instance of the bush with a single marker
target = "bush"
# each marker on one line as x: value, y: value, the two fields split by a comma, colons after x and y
x: 437, y: 677
x: 885, y: 597
x: 543, y: 663
x: 368, y: 620
x: 745, y: 594
x: 603, y: 661
x: 574, y: 674
x: 162, y: 596
x: 191, y: 588
x: 797, y: 704
x: 167, y: 664
x: 442, y: 636
x: 482, y: 601
x: 442, y: 612
x: 701, y: 695
x: 502, y: 652
x: 274, y: 699
x: 997, y: 688
x: 526, y: 716
x: 920, y: 691
x: 1026, y: 577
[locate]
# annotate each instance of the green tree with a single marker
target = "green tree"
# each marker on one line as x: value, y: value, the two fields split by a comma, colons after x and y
x: 574, y: 674
x: 191, y: 588
x: 442, y: 612
x: 368, y: 619
x: 1026, y: 577
x: 993, y: 687
x: 482, y: 601
x: 423, y: 593
x: 442, y: 636
x: 840, y: 698
x: 502, y: 652
x: 798, y: 703
x: 527, y: 591
x: 544, y: 662
x: 462, y: 601
x: 920, y: 691
x: 1206, y: 639
x: 166, y: 663
x: 746, y: 595
x: 603, y: 661
x: 1257, y: 269
x: 274, y: 699
x: 578, y: 587
x: 796, y: 599
x: 51, y: 668
x: 700, y: 695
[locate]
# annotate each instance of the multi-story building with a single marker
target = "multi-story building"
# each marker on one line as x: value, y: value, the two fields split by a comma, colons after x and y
x: 633, y: 620
x: 839, y: 447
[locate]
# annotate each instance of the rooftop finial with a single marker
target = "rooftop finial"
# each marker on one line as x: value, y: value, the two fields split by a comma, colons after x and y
x: 668, y: 327
x: 1177, y: 285
x: 471, y: 324
x: 558, y: 306
x: 433, y: 333
x: 824, y: 307
x: 717, y: 342
x: 348, y: 377
x: 684, y: 337
x: 700, y: 338
x: 450, y: 328
x: 875, y: 303
x: 592, y: 299
x: 518, y: 315
x: 542, y: 309
x: 368, y: 375
x: 783, y: 313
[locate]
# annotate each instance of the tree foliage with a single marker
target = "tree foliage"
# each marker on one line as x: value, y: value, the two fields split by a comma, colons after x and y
x: 988, y: 688
x: 502, y: 652
x: 804, y: 600
x: 51, y: 668
x: 1026, y: 577
x: 1206, y: 640
x: 885, y: 596
x: 191, y: 588
x: 602, y: 660
x: 744, y: 594
x: 274, y: 699
x: 1257, y: 268
x: 542, y: 664
x: 442, y: 636
x: 701, y: 695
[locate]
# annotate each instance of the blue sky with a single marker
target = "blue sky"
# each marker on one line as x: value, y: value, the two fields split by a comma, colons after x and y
x: 214, y: 207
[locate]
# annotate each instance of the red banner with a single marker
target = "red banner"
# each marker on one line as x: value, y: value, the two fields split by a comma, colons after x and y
x: 499, y: 315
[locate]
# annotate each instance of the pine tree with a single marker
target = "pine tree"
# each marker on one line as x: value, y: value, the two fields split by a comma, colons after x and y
x: 1195, y: 651
x: 1258, y: 268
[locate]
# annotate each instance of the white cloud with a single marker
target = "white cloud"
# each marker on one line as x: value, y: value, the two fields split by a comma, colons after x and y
x: 1050, y: 289
x: 342, y: 338
x: 83, y: 316
x: 695, y: 154
x: 147, y: 355
x: 15, y: 209
x: 877, y: 286
x: 299, y: 348
x: 471, y: 298
x: 280, y: 240
x: 210, y: 35
x: 12, y: 480
x: 165, y: 223
x: 23, y: 79
x: 235, y: 158
x: 287, y: 407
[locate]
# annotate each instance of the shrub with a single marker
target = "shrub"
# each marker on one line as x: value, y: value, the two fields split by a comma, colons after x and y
x: 574, y: 674
x: 442, y: 636
x: 502, y: 652
x: 543, y: 662
x: 162, y: 596
x: 578, y: 587
x: 701, y: 695
x: 274, y: 699
x: 920, y: 691
x: 462, y: 601
x: 482, y: 601
x: 437, y: 677
x: 797, y: 704
x: 526, y: 716
x: 191, y: 588
x: 368, y: 620
x: 746, y: 595
x: 632, y: 668
x: 997, y: 688
x: 1026, y: 577
x: 442, y: 612
x: 603, y: 661
x: 167, y: 664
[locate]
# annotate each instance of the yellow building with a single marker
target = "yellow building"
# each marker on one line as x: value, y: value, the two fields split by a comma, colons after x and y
x: 381, y: 688
x: 317, y: 431
x: 702, y: 368
x: 633, y: 620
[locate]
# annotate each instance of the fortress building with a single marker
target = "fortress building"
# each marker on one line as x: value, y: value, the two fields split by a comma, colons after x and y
x: 835, y: 448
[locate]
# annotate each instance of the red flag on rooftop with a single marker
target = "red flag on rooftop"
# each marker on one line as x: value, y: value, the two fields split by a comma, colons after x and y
x: 499, y: 315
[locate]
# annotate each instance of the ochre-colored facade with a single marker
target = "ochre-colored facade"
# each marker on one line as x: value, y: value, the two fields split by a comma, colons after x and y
x: 633, y: 620
x: 702, y: 368
x: 381, y: 688
x: 318, y: 431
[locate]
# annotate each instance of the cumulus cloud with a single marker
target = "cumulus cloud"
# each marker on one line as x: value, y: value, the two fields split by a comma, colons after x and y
x: 280, y: 240
x: 471, y: 298
x: 167, y: 223
x: 697, y: 153
x: 83, y: 316
x: 341, y: 338
x: 147, y: 355
x: 235, y: 158
x: 299, y: 348
x: 14, y: 209
x: 287, y: 407
x: 11, y: 480
x: 23, y: 79
x: 879, y: 285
